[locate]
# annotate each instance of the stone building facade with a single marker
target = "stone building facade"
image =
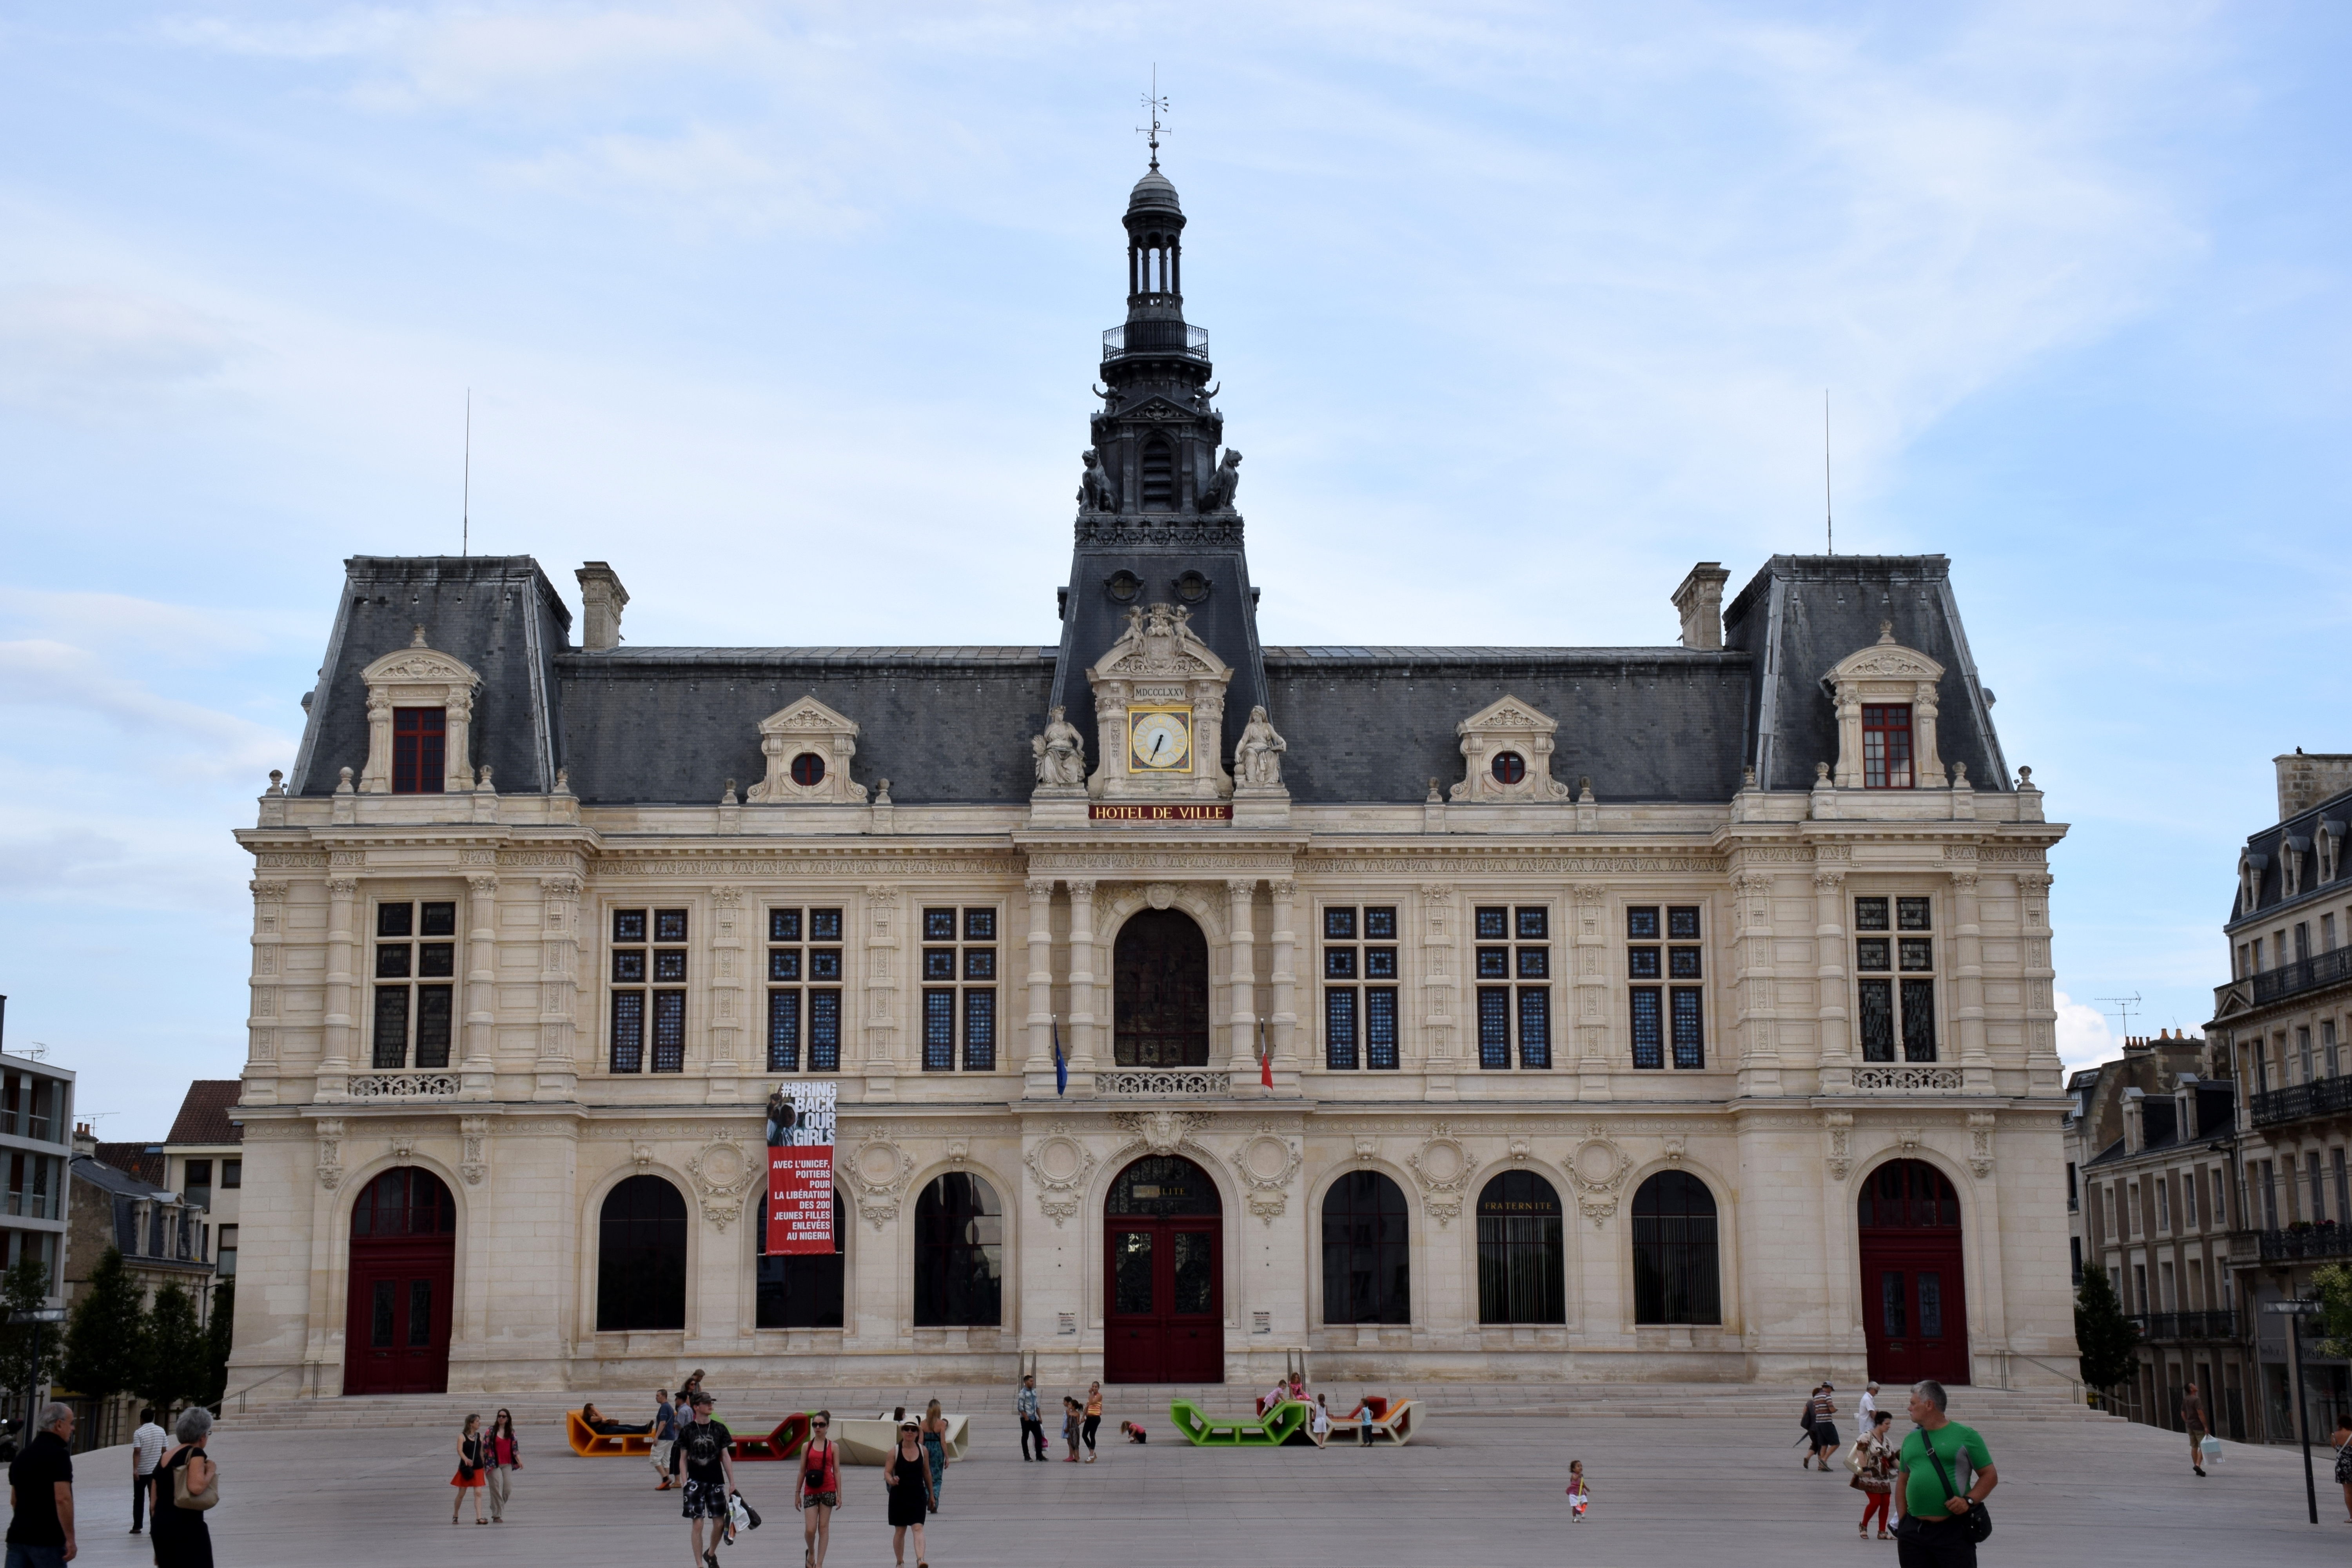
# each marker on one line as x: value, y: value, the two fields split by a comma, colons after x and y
x: 2285, y: 1020
x: 1678, y: 1012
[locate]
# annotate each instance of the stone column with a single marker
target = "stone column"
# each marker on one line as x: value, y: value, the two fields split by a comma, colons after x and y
x: 342, y: 893
x: 1081, y: 1045
x: 558, y: 1070
x: 1592, y: 956
x: 730, y: 1010
x: 1242, y: 974
x: 1837, y: 1063
x: 878, y: 953
x: 1041, y: 975
x: 267, y: 1005
x: 1753, y: 983
x: 1440, y: 993
x: 1967, y: 986
x: 481, y: 987
x: 1283, y: 1026
x: 2043, y: 1071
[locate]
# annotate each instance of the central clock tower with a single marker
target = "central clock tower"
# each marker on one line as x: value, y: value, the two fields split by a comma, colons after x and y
x: 1158, y: 551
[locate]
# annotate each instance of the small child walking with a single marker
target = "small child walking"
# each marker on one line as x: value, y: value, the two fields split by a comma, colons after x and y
x: 1072, y: 1420
x: 1579, y: 1496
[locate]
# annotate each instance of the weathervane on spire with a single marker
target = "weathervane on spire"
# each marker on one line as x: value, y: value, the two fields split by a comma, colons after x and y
x: 1155, y: 106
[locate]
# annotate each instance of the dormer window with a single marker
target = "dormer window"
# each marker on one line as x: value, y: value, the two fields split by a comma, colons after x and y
x: 1886, y: 746
x: 2249, y: 890
x: 419, y: 750
x: 2291, y: 849
x: 1158, y: 476
x: 2329, y: 842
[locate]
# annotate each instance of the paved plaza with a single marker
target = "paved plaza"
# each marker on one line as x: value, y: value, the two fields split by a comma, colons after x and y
x: 1476, y: 1490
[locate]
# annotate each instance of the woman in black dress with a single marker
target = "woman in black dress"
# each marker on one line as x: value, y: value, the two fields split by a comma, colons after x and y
x: 181, y: 1539
x: 908, y: 1476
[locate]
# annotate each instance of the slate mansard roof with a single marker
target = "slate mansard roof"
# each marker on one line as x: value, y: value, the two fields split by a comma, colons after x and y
x: 952, y: 724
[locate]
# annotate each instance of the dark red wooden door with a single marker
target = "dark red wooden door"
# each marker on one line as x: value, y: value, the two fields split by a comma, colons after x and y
x: 1914, y: 1302
x: 1163, y: 1297
x: 403, y: 1266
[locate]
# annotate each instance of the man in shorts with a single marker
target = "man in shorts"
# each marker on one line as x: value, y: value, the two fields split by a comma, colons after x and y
x: 705, y: 1450
x: 1931, y: 1525
x: 2192, y: 1418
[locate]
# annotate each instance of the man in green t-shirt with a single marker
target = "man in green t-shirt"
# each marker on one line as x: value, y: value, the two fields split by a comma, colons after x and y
x: 1931, y: 1526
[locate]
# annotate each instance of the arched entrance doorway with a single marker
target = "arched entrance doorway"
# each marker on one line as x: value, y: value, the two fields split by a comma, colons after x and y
x: 1914, y: 1311
x: 1159, y: 992
x: 1163, y: 1294
x: 403, y: 1265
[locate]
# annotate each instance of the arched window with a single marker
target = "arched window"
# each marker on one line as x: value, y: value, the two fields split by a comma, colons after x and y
x: 1908, y: 1194
x: 1367, y: 1273
x: 959, y: 1255
x: 404, y: 1201
x: 801, y: 1290
x: 1158, y: 476
x: 1522, y: 1265
x: 641, y: 1258
x: 1675, y: 1276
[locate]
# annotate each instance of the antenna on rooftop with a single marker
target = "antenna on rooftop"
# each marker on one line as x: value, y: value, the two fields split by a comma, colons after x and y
x: 1155, y: 106
x: 1829, y: 512
x: 466, y: 505
x: 2123, y: 1005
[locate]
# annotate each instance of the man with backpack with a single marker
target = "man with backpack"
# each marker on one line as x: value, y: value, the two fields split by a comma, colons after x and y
x: 1943, y: 1475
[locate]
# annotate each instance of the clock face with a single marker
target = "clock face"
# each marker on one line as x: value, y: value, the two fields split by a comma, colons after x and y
x: 1159, y: 740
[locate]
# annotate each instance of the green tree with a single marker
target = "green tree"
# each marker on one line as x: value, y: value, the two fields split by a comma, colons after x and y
x: 172, y: 1370
x: 218, y: 1341
x: 103, y: 1336
x: 2103, y: 1335
x: 25, y: 1287
x: 2333, y: 1286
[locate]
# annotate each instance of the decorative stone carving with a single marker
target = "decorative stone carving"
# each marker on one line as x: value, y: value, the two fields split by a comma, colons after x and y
x: 807, y: 727
x: 959, y: 1151
x: 1160, y: 895
x: 1161, y: 666
x: 1097, y: 491
x: 1980, y: 1131
x: 1906, y: 1079
x: 1163, y: 1132
x: 1257, y: 755
x: 877, y: 1171
x: 330, y: 1151
x: 1061, y: 1165
x: 1838, y: 1125
x: 1907, y: 1139
x: 1599, y: 1169
x: 1504, y: 729
x: 473, y: 1133
x: 1367, y: 1147
x: 404, y: 1147
x: 723, y: 1173
x: 1060, y: 753
x: 1886, y: 672
x: 642, y: 1156
x: 1442, y: 1165
x: 419, y: 677
x: 1268, y: 1163
x: 1675, y: 1149
x: 1218, y: 494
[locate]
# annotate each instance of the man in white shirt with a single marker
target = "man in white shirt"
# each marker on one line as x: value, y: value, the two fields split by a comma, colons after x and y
x: 1867, y: 1411
x: 146, y: 1448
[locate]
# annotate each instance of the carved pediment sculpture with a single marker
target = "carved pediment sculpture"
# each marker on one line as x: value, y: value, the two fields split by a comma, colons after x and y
x: 1159, y: 708
x: 1060, y: 753
x: 808, y: 747
x: 1506, y: 754
x: 419, y: 677
x: 1886, y: 673
x: 1257, y: 755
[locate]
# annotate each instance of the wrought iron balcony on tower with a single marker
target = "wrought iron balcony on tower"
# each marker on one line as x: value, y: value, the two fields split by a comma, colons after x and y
x: 1159, y: 338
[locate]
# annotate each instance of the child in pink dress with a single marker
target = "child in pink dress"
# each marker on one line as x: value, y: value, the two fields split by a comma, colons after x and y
x: 1580, y: 1497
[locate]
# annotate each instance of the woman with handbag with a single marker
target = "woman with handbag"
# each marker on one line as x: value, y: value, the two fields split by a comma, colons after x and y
x: 1872, y: 1460
x: 468, y: 1480
x: 186, y: 1483
x: 504, y: 1457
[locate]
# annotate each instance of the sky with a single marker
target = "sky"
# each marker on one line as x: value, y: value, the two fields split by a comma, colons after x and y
x: 790, y: 312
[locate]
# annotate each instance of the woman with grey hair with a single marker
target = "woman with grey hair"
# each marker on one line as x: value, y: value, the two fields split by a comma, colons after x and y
x: 181, y: 1536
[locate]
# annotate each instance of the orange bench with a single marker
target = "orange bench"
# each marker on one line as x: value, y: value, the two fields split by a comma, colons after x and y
x: 780, y: 1443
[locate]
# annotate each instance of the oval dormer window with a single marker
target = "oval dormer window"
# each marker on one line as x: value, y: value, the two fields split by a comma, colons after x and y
x: 1158, y: 476
x: 808, y: 770
x: 1508, y: 767
x: 1192, y: 587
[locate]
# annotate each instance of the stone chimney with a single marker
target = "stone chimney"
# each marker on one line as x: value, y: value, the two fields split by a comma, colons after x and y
x: 1700, y: 600
x: 601, y: 598
x: 85, y: 1140
x: 2305, y: 781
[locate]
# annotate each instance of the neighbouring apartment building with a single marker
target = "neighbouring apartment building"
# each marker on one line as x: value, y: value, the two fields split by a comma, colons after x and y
x: 2285, y: 1018
x: 120, y: 1201
x: 2151, y: 1179
x: 203, y: 1162
x: 1674, y: 1011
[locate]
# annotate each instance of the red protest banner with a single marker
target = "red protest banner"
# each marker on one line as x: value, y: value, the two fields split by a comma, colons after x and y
x: 800, y: 1168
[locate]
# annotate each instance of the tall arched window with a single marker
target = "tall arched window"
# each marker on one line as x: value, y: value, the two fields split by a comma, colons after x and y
x: 959, y: 1255
x: 1675, y: 1276
x: 641, y: 1257
x: 801, y: 1290
x: 406, y: 1200
x: 1366, y: 1274
x: 1522, y: 1265
x: 1159, y: 475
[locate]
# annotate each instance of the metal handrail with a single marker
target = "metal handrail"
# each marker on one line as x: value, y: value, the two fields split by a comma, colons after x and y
x: 2323, y: 1097
x: 1156, y: 337
x: 2302, y: 974
x: 220, y: 1407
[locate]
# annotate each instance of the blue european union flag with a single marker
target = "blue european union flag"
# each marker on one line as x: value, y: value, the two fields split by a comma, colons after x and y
x: 1061, y: 1067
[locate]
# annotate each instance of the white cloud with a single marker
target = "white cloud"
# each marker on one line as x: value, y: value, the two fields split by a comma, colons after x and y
x: 40, y: 673
x: 94, y: 349
x: 2084, y: 1037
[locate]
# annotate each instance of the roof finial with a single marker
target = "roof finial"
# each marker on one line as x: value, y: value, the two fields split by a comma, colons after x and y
x: 1155, y: 106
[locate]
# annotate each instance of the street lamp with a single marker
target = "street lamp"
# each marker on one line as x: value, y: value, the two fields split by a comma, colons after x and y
x: 2293, y: 1311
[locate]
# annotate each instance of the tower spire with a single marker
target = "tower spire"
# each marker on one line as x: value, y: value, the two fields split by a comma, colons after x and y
x: 1155, y: 106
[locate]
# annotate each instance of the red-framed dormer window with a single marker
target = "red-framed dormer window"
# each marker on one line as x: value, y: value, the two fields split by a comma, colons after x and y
x: 418, y: 737
x: 1886, y: 746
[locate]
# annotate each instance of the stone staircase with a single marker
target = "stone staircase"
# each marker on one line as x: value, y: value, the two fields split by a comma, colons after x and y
x: 754, y: 1408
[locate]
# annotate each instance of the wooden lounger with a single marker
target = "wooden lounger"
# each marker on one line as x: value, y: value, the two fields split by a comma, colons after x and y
x: 780, y: 1443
